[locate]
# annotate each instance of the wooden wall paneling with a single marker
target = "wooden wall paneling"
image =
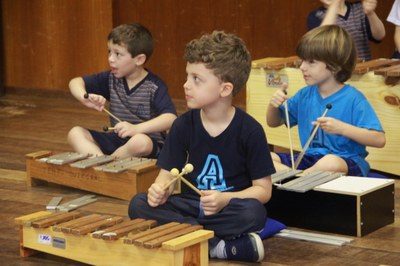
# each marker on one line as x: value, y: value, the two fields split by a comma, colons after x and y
x: 2, y: 87
x: 48, y: 42
x: 269, y: 28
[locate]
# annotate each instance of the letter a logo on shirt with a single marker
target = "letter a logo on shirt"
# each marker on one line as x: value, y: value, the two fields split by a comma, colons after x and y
x: 212, y: 175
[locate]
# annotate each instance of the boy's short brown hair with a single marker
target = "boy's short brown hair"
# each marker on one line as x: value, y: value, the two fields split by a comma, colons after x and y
x: 135, y: 36
x: 225, y: 54
x: 332, y: 45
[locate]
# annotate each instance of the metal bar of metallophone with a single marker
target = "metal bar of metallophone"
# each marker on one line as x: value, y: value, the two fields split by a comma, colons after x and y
x: 310, y: 181
x: 313, y: 237
x: 53, y: 203
x: 64, y: 158
x: 285, y: 174
x: 76, y: 203
x: 83, y: 164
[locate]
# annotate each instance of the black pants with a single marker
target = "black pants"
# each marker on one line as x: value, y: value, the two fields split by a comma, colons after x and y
x: 239, y: 217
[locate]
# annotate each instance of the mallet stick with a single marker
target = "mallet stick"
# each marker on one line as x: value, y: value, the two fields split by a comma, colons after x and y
x: 298, y: 160
x: 86, y: 96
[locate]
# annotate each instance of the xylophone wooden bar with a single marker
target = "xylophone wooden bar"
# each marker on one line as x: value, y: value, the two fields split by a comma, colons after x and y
x: 137, y: 177
x: 183, y: 247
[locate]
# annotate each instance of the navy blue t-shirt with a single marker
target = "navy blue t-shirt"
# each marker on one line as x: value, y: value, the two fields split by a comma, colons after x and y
x: 227, y: 162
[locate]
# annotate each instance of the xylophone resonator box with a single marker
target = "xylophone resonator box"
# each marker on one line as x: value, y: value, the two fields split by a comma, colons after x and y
x: 378, y: 80
x: 103, y: 175
x: 347, y: 205
x: 99, y: 239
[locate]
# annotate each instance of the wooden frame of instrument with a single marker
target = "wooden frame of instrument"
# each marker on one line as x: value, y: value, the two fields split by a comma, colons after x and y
x: 122, y: 185
x: 189, y: 249
x: 352, y: 211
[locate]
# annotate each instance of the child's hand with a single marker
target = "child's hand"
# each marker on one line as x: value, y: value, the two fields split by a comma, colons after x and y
x: 94, y: 101
x: 212, y: 201
x: 157, y: 195
x: 369, y: 6
x: 125, y: 129
x: 326, y: 3
x: 279, y: 97
x: 330, y: 125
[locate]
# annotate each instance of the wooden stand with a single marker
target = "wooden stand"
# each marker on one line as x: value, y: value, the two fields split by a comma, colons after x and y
x: 347, y: 205
x: 189, y: 249
x: 122, y: 185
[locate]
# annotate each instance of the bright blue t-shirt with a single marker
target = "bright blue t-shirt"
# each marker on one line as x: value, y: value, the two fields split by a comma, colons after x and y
x: 348, y: 105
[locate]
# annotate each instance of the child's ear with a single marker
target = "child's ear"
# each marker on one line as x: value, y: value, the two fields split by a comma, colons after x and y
x: 140, y: 59
x: 226, y: 89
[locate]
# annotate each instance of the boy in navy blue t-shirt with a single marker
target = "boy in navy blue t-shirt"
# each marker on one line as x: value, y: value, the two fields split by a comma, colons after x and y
x: 226, y: 146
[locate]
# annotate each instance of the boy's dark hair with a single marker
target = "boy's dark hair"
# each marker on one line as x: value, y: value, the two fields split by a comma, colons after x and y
x: 332, y: 45
x: 225, y: 54
x: 136, y: 37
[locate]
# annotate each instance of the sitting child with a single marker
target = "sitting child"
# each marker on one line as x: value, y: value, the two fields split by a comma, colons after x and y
x: 329, y: 57
x: 226, y: 146
x: 138, y: 99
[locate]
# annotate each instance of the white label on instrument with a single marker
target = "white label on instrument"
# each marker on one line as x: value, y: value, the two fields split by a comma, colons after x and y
x: 276, y: 80
x: 44, y: 239
x: 59, y: 242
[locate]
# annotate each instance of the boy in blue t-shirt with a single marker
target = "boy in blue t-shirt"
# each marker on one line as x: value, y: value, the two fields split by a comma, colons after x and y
x: 138, y: 99
x: 329, y: 57
x: 226, y: 146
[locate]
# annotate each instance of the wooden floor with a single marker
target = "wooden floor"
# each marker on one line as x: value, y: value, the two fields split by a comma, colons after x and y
x: 32, y: 122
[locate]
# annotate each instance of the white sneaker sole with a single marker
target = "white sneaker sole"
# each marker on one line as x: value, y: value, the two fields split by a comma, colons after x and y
x: 259, y: 245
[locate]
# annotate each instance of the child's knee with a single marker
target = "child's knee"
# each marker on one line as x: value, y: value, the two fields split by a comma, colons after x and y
x: 138, y: 202
x: 140, y: 145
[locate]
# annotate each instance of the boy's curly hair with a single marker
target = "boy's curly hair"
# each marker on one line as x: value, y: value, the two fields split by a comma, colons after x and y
x: 332, y: 45
x: 135, y: 36
x: 225, y: 54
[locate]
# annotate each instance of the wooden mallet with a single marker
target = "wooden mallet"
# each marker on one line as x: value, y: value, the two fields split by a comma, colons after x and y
x: 86, y: 96
x: 175, y: 172
x: 106, y: 128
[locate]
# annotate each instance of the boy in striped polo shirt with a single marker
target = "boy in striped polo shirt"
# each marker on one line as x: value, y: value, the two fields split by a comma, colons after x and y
x: 137, y: 97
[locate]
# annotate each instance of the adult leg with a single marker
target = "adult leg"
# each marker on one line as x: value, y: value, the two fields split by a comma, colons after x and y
x: 82, y: 141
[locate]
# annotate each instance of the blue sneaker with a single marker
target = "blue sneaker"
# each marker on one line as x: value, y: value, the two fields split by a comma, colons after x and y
x: 247, y: 248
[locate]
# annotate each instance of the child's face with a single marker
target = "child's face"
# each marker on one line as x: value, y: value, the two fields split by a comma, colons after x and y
x: 120, y: 60
x: 202, y: 87
x: 316, y: 72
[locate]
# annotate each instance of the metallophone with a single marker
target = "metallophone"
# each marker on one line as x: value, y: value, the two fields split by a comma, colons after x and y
x: 377, y: 79
x: 327, y: 201
x: 103, y: 174
x: 100, y: 239
x: 332, y: 202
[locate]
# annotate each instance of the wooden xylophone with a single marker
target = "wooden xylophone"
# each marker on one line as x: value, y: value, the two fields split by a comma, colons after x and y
x: 100, y: 239
x: 103, y: 174
x: 377, y: 79
x: 332, y: 202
